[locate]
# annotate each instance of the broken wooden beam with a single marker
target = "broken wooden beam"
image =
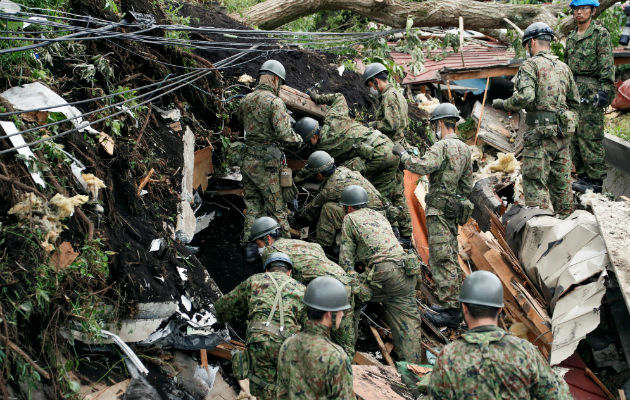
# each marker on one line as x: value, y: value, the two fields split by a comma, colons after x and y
x: 381, y: 346
x: 301, y: 102
x: 203, y: 167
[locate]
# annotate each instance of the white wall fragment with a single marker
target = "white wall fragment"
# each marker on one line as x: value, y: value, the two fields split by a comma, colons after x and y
x: 9, y: 128
x: 186, y: 221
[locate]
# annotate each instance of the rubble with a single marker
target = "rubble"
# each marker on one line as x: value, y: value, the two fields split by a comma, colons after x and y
x: 500, y: 130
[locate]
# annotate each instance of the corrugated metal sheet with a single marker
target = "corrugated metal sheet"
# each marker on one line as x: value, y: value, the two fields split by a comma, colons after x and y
x: 475, y: 56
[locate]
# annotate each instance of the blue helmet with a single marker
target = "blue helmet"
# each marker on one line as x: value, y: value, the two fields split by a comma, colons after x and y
x: 578, y: 3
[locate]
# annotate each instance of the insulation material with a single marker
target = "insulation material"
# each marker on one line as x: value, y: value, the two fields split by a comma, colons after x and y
x: 506, y: 163
x: 94, y: 184
x: 425, y: 104
x: 576, y: 314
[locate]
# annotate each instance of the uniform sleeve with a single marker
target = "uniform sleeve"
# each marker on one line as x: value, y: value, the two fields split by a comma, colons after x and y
x: 606, y: 62
x: 525, y: 88
x: 234, y: 304
x: 282, y: 123
x: 392, y: 117
x: 549, y: 385
x: 466, y: 181
x: 573, y: 94
x: 347, y: 251
x: 440, y: 385
x: 341, y: 385
x: 312, y: 209
x: 430, y: 162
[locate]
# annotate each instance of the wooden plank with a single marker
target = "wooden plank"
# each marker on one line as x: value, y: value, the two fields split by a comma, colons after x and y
x: 416, y: 210
x: 203, y: 167
x: 381, y: 346
x: 301, y: 102
x: 456, y: 75
x: 599, y: 383
x: 371, y: 382
x: 361, y: 358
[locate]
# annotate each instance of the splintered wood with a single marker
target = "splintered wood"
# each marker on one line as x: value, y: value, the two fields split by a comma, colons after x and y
x: 488, y: 255
x: 378, y: 382
x: 301, y: 102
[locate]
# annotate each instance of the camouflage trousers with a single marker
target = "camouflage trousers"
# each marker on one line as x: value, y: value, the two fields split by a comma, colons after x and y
x: 263, y: 356
x: 262, y: 192
x: 389, y: 181
x: 346, y: 335
x: 329, y: 223
x: 587, y: 148
x: 546, y: 170
x: 395, y: 290
x: 443, y: 250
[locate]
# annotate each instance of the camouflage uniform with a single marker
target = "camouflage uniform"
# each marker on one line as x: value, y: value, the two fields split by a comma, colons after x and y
x: 367, y: 239
x: 349, y: 141
x: 311, y: 366
x: 590, y: 58
x: 392, y: 118
x: 544, y: 86
x: 488, y: 363
x: 253, y: 299
x: 448, y: 163
x: 267, y: 123
x: 325, y: 207
x: 310, y: 262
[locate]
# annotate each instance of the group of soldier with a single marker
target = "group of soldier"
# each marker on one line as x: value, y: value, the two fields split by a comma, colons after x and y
x: 303, y: 310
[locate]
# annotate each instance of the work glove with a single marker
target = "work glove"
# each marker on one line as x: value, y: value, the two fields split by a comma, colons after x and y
x: 601, y: 98
x: 314, y: 95
x: 499, y: 104
x: 399, y: 149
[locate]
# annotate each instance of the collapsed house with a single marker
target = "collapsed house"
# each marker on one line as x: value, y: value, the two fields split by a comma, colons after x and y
x: 170, y: 270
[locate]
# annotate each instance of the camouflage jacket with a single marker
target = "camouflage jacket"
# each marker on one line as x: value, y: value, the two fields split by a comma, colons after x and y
x: 543, y: 83
x: 590, y: 58
x: 254, y: 298
x: 265, y: 118
x: 367, y: 238
x: 311, y: 366
x: 333, y: 186
x: 449, y: 165
x: 341, y: 136
x: 392, y: 114
x: 488, y: 363
x: 309, y: 260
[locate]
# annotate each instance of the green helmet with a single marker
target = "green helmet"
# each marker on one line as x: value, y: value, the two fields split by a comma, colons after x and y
x: 278, y: 258
x: 535, y: 30
x: 319, y: 161
x: 306, y: 127
x: 326, y: 293
x: 482, y: 288
x: 274, y: 67
x: 444, y: 110
x: 372, y: 70
x: 353, y: 195
x: 263, y: 226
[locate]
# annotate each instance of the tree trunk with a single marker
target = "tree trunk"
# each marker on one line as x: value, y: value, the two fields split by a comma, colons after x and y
x: 477, y: 15
x: 271, y: 14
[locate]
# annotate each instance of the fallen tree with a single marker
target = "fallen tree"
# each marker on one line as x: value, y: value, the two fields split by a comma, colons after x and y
x: 477, y: 15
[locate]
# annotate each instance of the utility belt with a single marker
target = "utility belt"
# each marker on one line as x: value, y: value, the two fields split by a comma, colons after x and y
x: 541, y: 118
x: 585, y: 79
x: 454, y: 207
x: 266, y: 151
x: 268, y: 327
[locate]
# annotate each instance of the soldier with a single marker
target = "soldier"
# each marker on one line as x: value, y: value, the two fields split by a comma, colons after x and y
x: 589, y: 55
x: 392, y: 118
x: 325, y: 207
x: 544, y: 86
x: 310, y: 365
x: 486, y: 362
x: 309, y: 262
x: 272, y: 304
x: 267, y: 124
x: 367, y: 240
x: 358, y: 147
x: 448, y: 163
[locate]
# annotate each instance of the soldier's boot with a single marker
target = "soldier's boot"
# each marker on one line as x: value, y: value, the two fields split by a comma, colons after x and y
x: 449, y: 317
x: 438, y: 308
x: 251, y: 252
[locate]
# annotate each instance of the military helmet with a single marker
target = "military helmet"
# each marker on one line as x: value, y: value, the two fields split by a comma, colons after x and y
x: 353, y: 195
x: 262, y: 227
x: 535, y: 30
x: 319, y: 161
x: 372, y: 70
x: 326, y: 293
x: 578, y: 3
x: 444, y: 110
x: 278, y: 258
x: 306, y: 127
x: 482, y: 288
x: 274, y: 67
